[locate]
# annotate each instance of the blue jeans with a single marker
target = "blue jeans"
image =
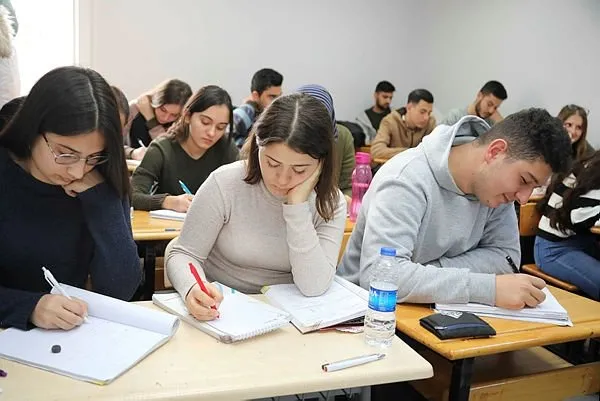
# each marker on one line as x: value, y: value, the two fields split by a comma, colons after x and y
x: 575, y: 260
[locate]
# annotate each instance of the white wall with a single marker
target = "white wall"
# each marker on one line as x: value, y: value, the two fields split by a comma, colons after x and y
x: 544, y: 51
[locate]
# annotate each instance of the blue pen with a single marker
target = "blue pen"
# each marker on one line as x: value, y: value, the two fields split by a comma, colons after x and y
x: 185, y: 188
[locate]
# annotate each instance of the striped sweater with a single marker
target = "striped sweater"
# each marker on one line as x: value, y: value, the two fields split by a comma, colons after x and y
x: 584, y: 215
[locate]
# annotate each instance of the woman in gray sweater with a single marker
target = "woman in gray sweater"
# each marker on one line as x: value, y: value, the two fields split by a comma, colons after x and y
x: 277, y: 217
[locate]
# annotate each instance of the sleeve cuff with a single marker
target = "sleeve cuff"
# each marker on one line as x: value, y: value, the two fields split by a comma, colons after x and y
x: 482, y: 288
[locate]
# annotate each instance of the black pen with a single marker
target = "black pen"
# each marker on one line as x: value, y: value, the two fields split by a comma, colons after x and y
x: 512, y: 264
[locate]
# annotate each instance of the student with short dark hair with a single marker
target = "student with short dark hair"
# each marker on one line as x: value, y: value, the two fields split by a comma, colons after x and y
x: 564, y: 246
x: 277, y: 217
x: 405, y: 128
x: 485, y: 106
x: 194, y: 147
x: 446, y: 206
x: 151, y: 115
x: 64, y: 201
x: 265, y: 87
x: 370, y: 120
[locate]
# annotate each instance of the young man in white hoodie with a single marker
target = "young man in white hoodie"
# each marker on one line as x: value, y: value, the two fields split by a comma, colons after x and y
x: 447, y: 208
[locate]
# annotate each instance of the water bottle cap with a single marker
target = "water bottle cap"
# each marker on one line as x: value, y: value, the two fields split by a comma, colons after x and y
x: 387, y: 251
x: 362, y: 158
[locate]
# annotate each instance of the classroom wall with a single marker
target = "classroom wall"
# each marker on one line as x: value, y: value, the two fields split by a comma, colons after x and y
x: 544, y: 51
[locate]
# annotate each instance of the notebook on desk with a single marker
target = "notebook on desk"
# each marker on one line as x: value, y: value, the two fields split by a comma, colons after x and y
x: 343, y: 301
x: 240, y: 316
x: 116, y: 337
x: 167, y: 214
x: 550, y: 311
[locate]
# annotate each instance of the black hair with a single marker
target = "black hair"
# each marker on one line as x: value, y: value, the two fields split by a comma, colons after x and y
x: 495, y: 88
x: 417, y: 95
x: 265, y: 79
x: 385, y: 86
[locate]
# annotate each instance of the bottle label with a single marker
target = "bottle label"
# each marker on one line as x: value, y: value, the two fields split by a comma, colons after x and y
x: 382, y: 300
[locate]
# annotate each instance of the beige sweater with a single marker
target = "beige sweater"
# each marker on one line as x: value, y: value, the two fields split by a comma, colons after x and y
x: 244, y: 237
x: 394, y: 136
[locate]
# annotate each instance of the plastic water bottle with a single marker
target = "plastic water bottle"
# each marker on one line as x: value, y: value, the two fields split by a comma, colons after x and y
x: 361, y: 179
x: 380, y: 320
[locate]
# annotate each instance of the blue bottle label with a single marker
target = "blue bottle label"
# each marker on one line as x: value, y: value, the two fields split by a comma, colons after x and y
x: 382, y: 300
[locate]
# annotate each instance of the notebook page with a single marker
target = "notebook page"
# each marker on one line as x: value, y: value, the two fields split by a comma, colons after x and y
x: 97, y: 351
x: 167, y: 214
x: 336, y: 305
x: 117, y: 311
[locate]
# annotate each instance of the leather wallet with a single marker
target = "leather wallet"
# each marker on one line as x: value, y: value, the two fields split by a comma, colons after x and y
x: 448, y: 325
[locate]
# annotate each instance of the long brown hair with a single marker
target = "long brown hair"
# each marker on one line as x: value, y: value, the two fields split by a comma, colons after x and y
x: 171, y: 91
x: 587, y: 175
x: 579, y: 147
x: 302, y: 123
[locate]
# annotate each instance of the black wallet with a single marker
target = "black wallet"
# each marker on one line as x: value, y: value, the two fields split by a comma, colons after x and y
x: 456, y: 325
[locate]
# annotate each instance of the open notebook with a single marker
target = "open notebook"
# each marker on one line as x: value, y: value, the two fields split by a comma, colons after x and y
x: 343, y: 301
x: 241, y: 316
x: 167, y: 214
x: 116, y: 337
x: 550, y: 311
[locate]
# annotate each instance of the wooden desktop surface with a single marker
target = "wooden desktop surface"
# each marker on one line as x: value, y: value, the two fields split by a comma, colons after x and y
x: 194, y: 366
x: 511, y: 335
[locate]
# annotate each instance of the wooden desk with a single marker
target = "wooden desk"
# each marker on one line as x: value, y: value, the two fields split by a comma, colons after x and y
x: 595, y: 230
x: 511, y: 335
x: 349, y: 225
x: 147, y: 232
x: 380, y: 160
x: 194, y: 366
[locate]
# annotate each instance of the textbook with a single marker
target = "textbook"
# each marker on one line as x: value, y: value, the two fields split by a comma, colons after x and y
x: 167, y: 214
x: 550, y: 311
x: 240, y: 316
x: 343, y: 301
x: 116, y: 336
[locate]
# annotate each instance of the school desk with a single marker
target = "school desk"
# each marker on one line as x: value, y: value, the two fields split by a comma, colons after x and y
x: 595, y: 230
x: 511, y: 335
x: 194, y: 366
x: 380, y: 160
x: 148, y: 231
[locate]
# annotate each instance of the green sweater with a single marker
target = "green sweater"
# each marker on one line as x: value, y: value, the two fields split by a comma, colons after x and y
x: 165, y: 163
x: 345, y: 154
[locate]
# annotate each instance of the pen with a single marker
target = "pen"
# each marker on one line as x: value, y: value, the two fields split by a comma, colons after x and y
x: 185, y: 188
x: 141, y: 143
x: 512, y: 264
x: 348, y: 363
x: 200, y: 282
x: 54, y: 284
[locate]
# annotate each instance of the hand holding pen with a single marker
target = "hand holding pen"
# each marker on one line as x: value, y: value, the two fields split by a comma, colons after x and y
x: 203, y: 299
x: 54, y: 311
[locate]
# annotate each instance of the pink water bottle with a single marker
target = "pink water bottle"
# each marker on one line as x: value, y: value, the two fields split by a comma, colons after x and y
x: 361, y: 178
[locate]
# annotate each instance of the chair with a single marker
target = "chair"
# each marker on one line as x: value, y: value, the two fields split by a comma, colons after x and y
x: 529, y: 218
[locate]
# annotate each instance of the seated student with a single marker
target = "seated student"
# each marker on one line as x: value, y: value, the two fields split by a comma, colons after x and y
x: 486, y: 104
x: 122, y: 105
x: 564, y: 246
x: 274, y: 218
x: 195, y: 146
x: 405, y: 128
x: 63, y: 201
x: 344, y: 143
x: 265, y: 87
x: 370, y: 120
x: 446, y: 206
x: 575, y: 121
x: 151, y: 115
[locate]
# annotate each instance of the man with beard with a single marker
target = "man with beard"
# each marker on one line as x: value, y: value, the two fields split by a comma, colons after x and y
x: 405, y: 128
x: 485, y: 106
x: 369, y: 120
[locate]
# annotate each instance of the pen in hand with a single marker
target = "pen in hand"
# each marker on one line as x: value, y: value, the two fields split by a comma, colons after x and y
x: 185, y: 188
x: 200, y: 282
x: 141, y: 143
x: 512, y: 265
x: 55, y: 285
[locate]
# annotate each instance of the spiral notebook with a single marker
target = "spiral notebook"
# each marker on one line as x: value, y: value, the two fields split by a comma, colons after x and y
x: 241, y: 317
x: 167, y: 214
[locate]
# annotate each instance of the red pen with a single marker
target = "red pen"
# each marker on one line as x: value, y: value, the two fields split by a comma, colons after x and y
x: 200, y: 282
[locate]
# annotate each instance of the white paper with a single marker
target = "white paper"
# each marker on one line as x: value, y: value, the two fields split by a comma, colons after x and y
x: 167, y: 214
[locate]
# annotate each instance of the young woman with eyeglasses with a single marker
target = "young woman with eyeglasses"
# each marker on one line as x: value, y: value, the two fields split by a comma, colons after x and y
x: 64, y: 192
x: 151, y: 115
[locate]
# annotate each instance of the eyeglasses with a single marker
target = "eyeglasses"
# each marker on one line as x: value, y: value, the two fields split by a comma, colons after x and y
x: 71, y: 158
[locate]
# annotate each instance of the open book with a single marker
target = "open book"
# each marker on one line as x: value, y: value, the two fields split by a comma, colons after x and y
x: 240, y: 316
x: 341, y: 302
x: 116, y: 337
x: 550, y: 311
x: 167, y: 214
